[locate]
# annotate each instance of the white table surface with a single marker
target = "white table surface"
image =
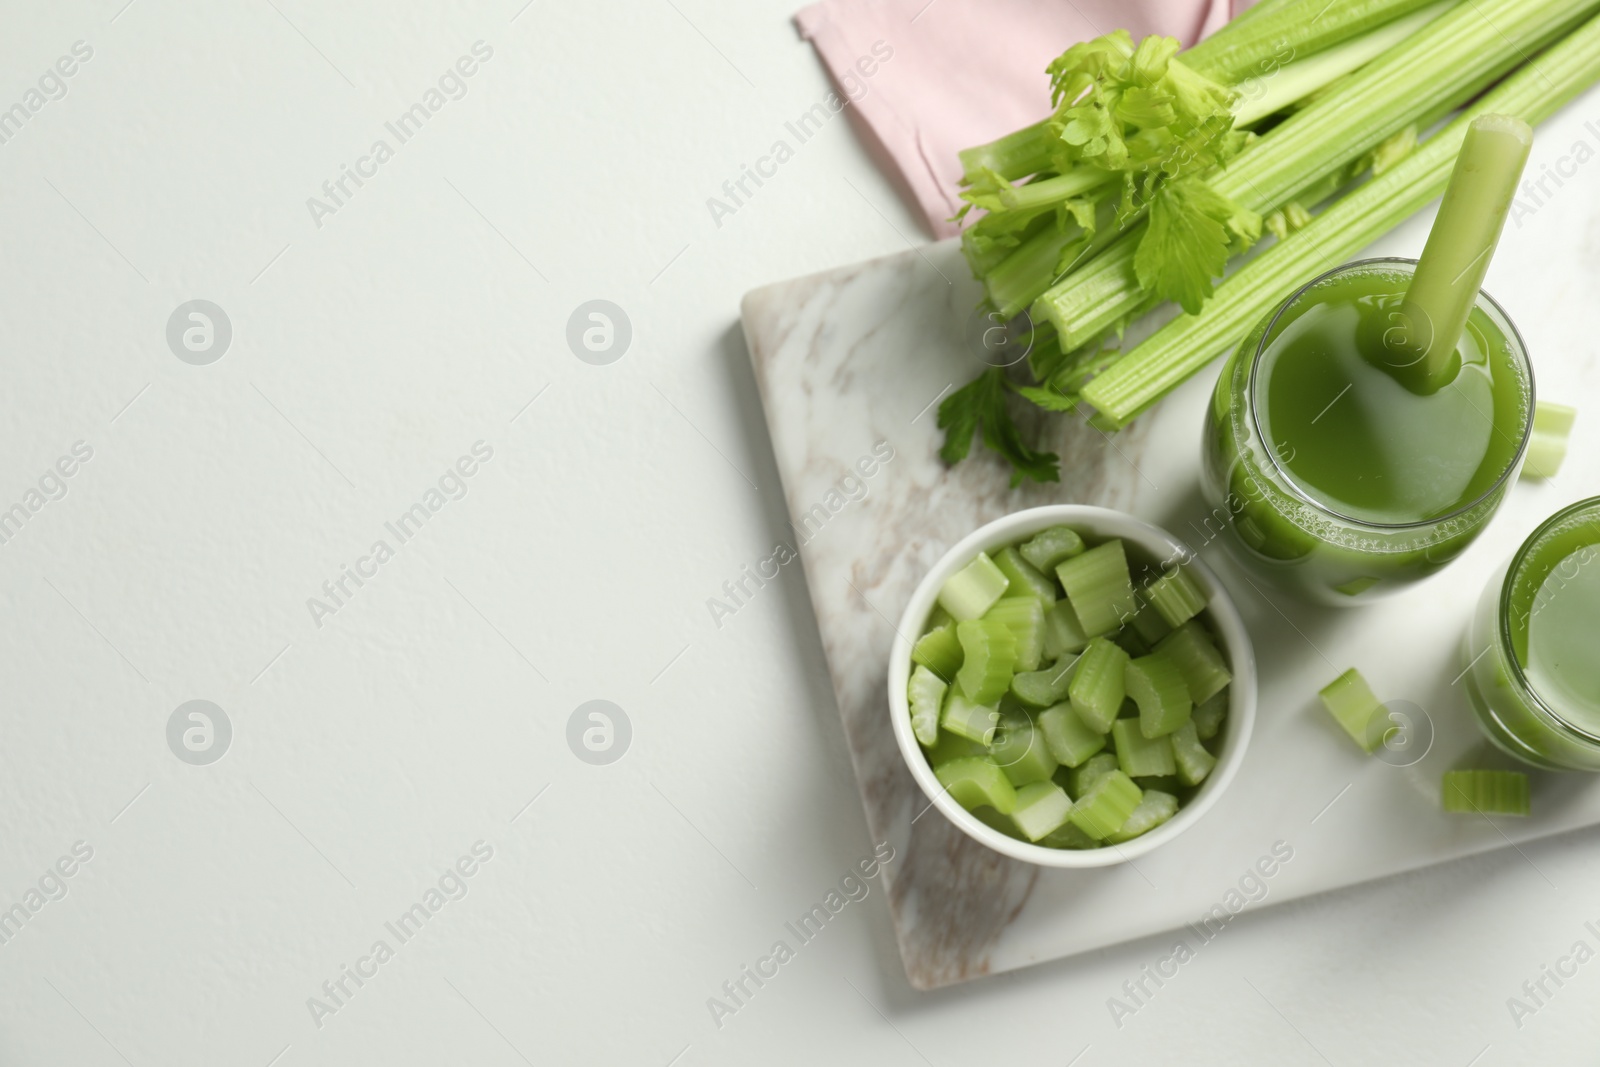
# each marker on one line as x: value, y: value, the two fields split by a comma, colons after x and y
x: 370, y: 753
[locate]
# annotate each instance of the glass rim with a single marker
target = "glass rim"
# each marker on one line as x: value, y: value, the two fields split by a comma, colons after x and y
x: 1519, y: 350
x: 1502, y: 627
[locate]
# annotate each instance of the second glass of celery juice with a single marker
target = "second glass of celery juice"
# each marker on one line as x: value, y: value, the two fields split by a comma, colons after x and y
x: 1530, y: 666
x: 1334, y: 475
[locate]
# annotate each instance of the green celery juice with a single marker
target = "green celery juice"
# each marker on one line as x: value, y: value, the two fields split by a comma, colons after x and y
x: 1358, y: 441
x: 1533, y: 671
x: 1338, y: 478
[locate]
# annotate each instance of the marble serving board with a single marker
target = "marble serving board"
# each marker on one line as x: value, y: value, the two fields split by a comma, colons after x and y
x: 849, y: 364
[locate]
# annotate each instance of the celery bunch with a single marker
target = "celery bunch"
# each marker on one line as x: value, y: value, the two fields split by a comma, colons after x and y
x: 1158, y: 167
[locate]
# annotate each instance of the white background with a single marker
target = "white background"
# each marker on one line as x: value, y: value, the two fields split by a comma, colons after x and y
x: 372, y: 751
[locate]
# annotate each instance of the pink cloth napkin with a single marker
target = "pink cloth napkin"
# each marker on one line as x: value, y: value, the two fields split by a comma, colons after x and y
x: 931, y: 77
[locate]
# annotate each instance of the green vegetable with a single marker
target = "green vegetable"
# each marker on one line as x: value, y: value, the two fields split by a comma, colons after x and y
x: 1155, y: 808
x: 1024, y: 578
x: 1139, y: 756
x: 975, y: 782
x: 1063, y: 633
x: 1042, y: 688
x: 975, y: 722
x: 989, y: 651
x: 1208, y: 715
x: 1194, y: 762
x: 1068, y: 835
x: 1098, y: 587
x: 1024, y: 617
x: 1070, y: 740
x: 1204, y: 670
x: 1155, y: 683
x: 972, y: 590
x: 1097, y: 687
x: 1190, y: 186
x: 1449, y: 275
x: 1349, y: 700
x: 1041, y: 807
x: 940, y: 651
x: 1176, y: 595
x: 926, y: 694
x: 1049, y: 548
x: 1552, y: 425
x: 1020, y: 750
x: 1148, y: 623
x: 951, y: 746
x: 1147, y: 372
x: 1082, y: 779
x: 1486, y: 792
x: 1104, y: 809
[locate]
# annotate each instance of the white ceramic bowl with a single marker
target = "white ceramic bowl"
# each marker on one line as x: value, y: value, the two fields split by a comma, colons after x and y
x: 1096, y: 524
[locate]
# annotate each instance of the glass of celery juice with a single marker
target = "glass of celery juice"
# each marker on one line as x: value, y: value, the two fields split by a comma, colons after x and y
x: 1531, y: 670
x: 1335, y: 477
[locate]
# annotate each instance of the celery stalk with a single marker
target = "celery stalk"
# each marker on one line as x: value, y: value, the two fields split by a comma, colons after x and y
x: 1299, y: 30
x: 1202, y: 666
x: 940, y: 651
x: 1139, y: 756
x: 1082, y: 779
x: 965, y: 719
x: 1176, y: 595
x: 1040, y: 809
x: 1098, y: 587
x: 989, y: 656
x: 1104, y: 809
x: 1020, y: 750
x: 1177, y: 350
x: 1444, y: 287
x: 1155, y: 808
x: 925, y: 691
x: 1097, y: 687
x: 1194, y: 762
x: 973, y: 589
x: 1438, y: 65
x: 1350, y: 701
x: 1208, y: 715
x: 1024, y: 617
x: 1486, y: 792
x: 1051, y: 547
x: 976, y: 782
x: 1070, y: 741
x: 1155, y: 683
x: 1025, y: 578
x: 1042, y: 688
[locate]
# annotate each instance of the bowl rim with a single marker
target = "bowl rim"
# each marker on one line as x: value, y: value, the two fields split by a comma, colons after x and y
x: 1096, y: 522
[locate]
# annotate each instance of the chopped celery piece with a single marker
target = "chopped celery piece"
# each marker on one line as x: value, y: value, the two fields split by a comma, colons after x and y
x: 953, y: 747
x: 1177, y: 596
x: 974, y: 782
x: 973, y: 589
x: 975, y: 722
x: 1552, y: 425
x: 1155, y: 683
x: 1025, y: 579
x: 1139, y: 756
x: 1069, y: 835
x: 1024, y: 617
x: 1019, y: 749
x: 939, y: 651
x: 1040, y: 809
x: 1194, y: 762
x: 1161, y: 783
x: 1098, y: 587
x: 1044, y: 687
x: 1069, y: 740
x: 938, y: 618
x: 989, y: 654
x: 1155, y: 808
x: 1203, y: 668
x: 1208, y: 715
x: 1082, y: 779
x: 1104, y: 809
x: 1050, y: 547
x: 926, y: 693
x: 1063, y: 634
x: 1149, y: 624
x: 1097, y: 685
x: 1349, y: 699
x: 995, y: 821
x: 1488, y: 792
x: 1129, y: 641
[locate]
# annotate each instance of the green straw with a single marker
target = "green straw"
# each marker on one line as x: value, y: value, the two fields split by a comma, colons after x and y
x: 1444, y: 288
